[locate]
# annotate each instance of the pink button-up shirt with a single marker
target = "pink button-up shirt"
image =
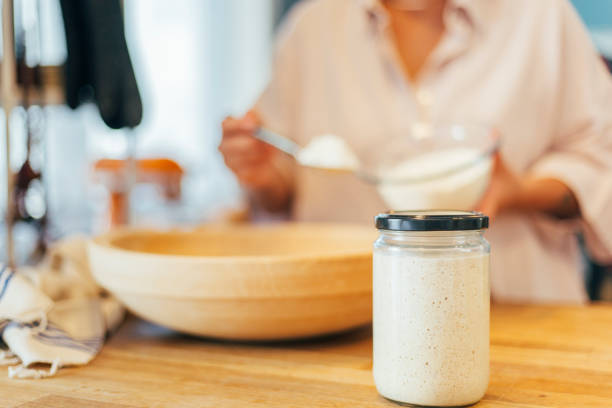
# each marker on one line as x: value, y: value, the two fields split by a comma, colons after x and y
x: 527, y: 67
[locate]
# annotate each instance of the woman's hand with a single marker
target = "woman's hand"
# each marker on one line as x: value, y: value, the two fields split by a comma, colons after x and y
x: 254, y: 162
x: 508, y: 191
x: 503, y: 189
x: 249, y: 158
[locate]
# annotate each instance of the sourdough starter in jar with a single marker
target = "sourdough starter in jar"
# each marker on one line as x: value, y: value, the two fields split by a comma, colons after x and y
x: 431, y: 317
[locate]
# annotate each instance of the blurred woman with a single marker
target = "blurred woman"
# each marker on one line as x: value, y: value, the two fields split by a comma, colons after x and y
x: 354, y: 67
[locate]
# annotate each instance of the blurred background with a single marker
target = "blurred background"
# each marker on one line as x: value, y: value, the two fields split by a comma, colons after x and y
x: 195, y: 62
x: 188, y: 58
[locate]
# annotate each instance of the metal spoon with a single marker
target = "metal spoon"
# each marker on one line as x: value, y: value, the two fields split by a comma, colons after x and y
x: 280, y: 142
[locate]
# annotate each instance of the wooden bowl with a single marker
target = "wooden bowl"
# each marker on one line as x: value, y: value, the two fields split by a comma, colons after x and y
x: 242, y: 282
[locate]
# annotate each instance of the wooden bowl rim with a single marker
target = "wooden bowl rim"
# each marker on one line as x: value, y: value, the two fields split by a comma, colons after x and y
x: 105, y: 242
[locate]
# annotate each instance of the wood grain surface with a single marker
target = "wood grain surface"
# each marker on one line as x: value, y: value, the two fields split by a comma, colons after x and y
x: 541, y: 356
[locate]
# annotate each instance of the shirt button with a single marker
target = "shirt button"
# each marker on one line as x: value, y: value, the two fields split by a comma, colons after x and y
x: 424, y: 97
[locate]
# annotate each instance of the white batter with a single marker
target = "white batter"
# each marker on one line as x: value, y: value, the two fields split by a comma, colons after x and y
x: 431, y: 327
x: 330, y: 152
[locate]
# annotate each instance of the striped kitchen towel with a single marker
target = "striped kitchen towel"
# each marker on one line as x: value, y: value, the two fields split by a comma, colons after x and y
x: 53, y: 314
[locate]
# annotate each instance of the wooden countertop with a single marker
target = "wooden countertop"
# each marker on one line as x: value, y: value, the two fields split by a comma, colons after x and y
x: 540, y: 357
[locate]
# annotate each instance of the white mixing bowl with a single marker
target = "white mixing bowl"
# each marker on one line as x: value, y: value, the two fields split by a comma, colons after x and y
x: 429, y: 167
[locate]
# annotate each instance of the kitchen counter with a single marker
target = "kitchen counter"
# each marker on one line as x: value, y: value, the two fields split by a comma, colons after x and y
x: 541, y: 356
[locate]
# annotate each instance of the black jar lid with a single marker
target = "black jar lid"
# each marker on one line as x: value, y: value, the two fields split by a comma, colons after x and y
x: 439, y: 220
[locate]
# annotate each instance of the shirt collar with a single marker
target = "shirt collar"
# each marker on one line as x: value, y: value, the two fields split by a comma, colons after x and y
x: 465, y: 10
x: 463, y: 20
x: 471, y: 9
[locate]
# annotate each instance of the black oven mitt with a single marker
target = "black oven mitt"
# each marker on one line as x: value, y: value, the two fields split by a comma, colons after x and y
x: 98, y: 66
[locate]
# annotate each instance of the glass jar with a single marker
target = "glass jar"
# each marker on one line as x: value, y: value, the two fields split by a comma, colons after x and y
x: 431, y: 307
